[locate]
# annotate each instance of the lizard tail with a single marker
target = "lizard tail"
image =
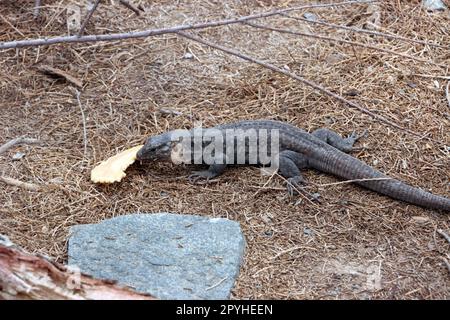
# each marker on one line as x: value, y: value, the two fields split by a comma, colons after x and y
x: 401, y: 191
x: 348, y: 167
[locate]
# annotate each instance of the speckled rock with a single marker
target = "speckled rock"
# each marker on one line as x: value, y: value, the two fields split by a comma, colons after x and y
x: 170, y: 256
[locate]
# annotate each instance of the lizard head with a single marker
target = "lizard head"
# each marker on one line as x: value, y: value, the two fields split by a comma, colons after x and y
x: 156, y: 148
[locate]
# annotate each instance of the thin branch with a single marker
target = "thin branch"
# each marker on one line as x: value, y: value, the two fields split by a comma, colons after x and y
x: 358, y: 30
x: 37, y: 7
x: 217, y: 284
x: 84, y: 122
x: 265, y: 184
x: 154, y: 32
x: 11, y: 25
x: 442, y: 233
x: 447, y: 264
x: 20, y: 184
x: 446, y: 237
x: 15, y: 141
x: 352, y: 181
x: 432, y: 76
x: 354, y: 43
x: 447, y: 93
x: 131, y: 6
x: 88, y: 16
x: 301, y: 191
x: 291, y: 250
x: 298, y: 78
x: 429, y: 76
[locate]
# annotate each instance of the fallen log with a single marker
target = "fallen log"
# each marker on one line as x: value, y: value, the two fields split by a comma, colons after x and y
x: 27, y: 276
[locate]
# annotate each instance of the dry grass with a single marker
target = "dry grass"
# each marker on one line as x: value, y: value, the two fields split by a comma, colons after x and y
x: 355, y: 244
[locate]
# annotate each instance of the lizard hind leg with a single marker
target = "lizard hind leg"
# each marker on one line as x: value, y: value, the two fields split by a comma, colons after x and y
x: 336, y: 140
x: 290, y: 163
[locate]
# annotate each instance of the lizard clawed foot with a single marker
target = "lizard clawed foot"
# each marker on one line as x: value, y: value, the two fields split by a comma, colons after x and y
x: 295, y: 185
x: 354, y: 136
x: 197, y: 176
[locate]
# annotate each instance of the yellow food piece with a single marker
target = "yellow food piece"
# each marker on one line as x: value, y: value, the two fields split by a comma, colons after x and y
x: 112, y: 170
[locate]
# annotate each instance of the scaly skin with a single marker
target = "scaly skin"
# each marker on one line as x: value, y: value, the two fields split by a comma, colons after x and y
x: 320, y: 150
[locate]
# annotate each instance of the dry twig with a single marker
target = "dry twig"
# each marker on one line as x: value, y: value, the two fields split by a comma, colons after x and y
x: 88, y: 16
x: 358, y: 30
x: 217, y: 284
x: 445, y: 235
x: 154, y: 32
x: 351, y: 181
x: 447, y: 93
x: 298, y: 78
x: 11, y: 25
x: 15, y: 141
x: 83, y: 117
x: 447, y: 264
x: 354, y: 43
x: 131, y: 6
x: 279, y: 254
x: 17, y: 183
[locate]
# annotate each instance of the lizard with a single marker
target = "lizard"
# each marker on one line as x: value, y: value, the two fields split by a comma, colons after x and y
x: 322, y: 149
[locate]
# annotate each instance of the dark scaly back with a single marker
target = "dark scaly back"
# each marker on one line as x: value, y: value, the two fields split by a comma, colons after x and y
x: 324, y: 157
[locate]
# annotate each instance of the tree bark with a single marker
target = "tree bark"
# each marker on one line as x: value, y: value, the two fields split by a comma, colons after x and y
x: 25, y: 276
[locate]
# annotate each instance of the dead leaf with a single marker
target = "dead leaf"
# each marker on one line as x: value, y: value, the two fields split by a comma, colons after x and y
x: 60, y: 74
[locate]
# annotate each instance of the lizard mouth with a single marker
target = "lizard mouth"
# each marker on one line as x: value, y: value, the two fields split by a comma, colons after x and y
x: 140, y: 154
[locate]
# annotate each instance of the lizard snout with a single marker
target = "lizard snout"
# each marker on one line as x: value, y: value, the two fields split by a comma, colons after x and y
x: 140, y: 154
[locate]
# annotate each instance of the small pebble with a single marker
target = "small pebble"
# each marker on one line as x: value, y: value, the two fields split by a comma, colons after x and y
x: 308, y: 232
x: 436, y: 84
x: 166, y: 111
x: 163, y: 194
x: 420, y: 219
x: 315, y: 196
x: 310, y: 16
x: 18, y: 156
x: 432, y: 5
x: 268, y: 233
x: 352, y: 93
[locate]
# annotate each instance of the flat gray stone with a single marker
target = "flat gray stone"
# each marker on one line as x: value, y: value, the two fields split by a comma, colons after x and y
x: 170, y: 256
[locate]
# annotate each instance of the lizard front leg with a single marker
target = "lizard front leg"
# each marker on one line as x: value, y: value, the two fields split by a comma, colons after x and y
x: 290, y: 163
x: 213, y: 171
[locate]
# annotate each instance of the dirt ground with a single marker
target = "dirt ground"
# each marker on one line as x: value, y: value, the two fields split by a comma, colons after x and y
x: 354, y: 244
